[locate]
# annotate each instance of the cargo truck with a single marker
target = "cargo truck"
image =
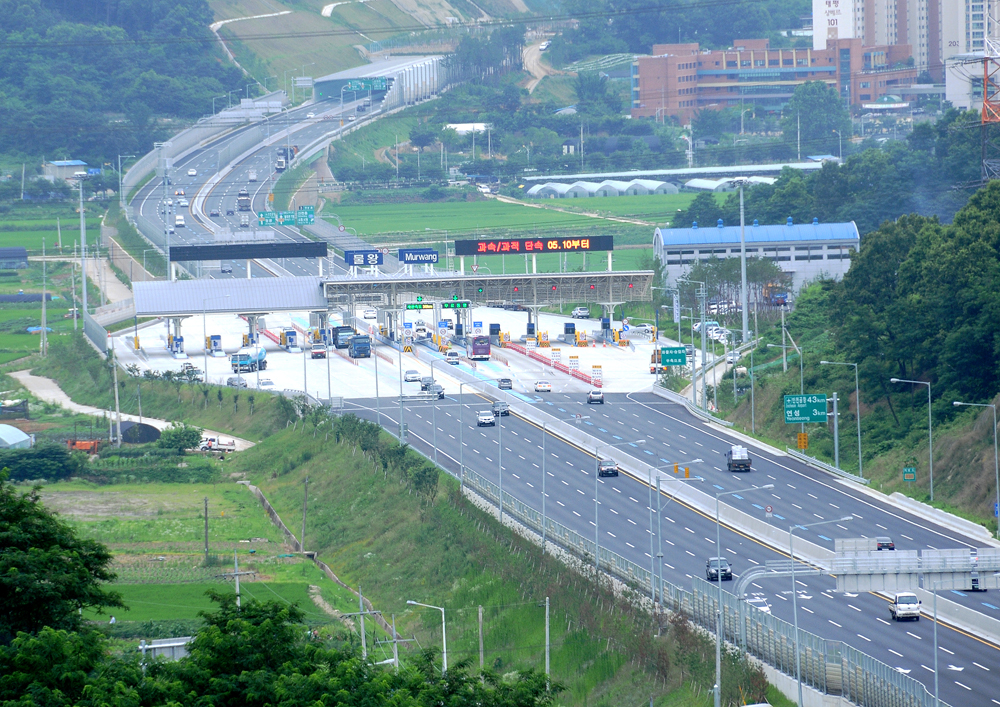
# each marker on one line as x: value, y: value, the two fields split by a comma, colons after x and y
x: 243, y: 200
x: 738, y: 459
x: 250, y: 358
x: 342, y: 336
x: 252, y: 177
x: 360, y: 347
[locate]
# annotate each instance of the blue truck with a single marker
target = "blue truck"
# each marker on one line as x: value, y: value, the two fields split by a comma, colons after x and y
x: 342, y: 336
x: 250, y: 358
x: 360, y: 347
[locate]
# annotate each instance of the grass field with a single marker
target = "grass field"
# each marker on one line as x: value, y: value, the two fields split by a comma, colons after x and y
x: 413, y: 220
x: 655, y: 208
x: 631, y: 259
x: 358, y: 149
x: 27, y: 225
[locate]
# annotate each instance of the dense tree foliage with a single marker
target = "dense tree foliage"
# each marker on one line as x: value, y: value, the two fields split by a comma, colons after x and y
x: 45, y: 460
x: 47, y: 573
x: 85, y: 79
x: 817, y: 117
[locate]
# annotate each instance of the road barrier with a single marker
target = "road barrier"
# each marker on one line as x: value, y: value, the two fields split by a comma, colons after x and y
x: 562, y: 367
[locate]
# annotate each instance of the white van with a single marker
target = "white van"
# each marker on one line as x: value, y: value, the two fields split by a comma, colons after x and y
x: 179, y: 222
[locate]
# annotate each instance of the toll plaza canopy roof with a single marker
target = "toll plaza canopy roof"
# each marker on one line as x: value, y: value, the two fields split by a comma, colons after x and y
x: 259, y: 294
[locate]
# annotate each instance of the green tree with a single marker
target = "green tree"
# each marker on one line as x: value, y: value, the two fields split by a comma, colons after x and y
x: 47, y: 573
x: 424, y: 135
x: 43, y: 461
x: 181, y: 436
x: 822, y: 112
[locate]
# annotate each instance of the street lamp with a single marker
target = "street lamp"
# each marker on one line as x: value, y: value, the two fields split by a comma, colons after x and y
x: 703, y: 293
x: 741, y: 182
x: 444, y: 634
x: 857, y: 401
x: 597, y: 536
x: 574, y: 418
x: 795, y: 603
x: 213, y: 102
x: 930, y: 428
x: 659, y: 539
x: 996, y: 460
x: 268, y: 79
x: 718, y: 575
x: 204, y: 330
x: 840, y: 145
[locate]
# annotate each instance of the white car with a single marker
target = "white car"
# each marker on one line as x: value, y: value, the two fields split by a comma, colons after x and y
x: 732, y: 357
x: 265, y: 384
x: 641, y: 328
x: 370, y: 313
x: 580, y: 313
x: 183, y: 202
x: 192, y: 172
x: 170, y: 202
x: 310, y: 115
x: 486, y: 417
x: 453, y: 357
x: 411, y: 376
x: 543, y: 387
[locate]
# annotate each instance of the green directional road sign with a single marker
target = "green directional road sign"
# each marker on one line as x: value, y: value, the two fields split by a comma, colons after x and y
x: 267, y: 218
x: 286, y: 218
x: 909, y: 473
x: 305, y: 216
x: 378, y: 83
x: 805, y: 408
x: 673, y: 356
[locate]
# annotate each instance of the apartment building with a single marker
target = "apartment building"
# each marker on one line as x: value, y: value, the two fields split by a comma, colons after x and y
x: 680, y: 79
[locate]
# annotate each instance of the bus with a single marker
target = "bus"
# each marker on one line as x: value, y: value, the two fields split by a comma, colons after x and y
x: 478, y: 348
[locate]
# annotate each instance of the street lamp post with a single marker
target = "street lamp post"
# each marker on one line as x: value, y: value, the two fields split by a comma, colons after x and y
x: 741, y: 182
x: 795, y: 603
x: 996, y: 459
x: 597, y: 536
x: 718, y: 574
x: 652, y: 577
x: 702, y: 293
x: 444, y: 634
x: 930, y: 428
x: 857, y: 402
x: 575, y: 418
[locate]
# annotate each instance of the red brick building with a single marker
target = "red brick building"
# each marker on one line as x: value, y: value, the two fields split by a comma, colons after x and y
x: 680, y: 79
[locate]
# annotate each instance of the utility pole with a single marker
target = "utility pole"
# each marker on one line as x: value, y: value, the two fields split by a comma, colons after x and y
x: 361, y: 610
x: 83, y: 248
x: 784, y: 357
x: 44, y: 339
x: 798, y: 136
x: 236, y: 574
x: 305, y: 503
x: 206, y: 530
x: 72, y: 278
x: 118, y: 410
x: 481, y: 654
x: 547, y: 675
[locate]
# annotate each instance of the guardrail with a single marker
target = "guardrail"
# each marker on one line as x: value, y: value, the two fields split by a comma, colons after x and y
x: 562, y: 367
x: 813, y: 461
x: 670, y: 395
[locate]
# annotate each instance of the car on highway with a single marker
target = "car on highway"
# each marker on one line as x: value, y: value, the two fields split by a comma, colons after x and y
x: 192, y: 172
x: 689, y: 350
x: 178, y: 192
x: 641, y: 328
x: 426, y: 382
x: 500, y: 408
x: 213, y: 213
x: 714, y: 566
x: 738, y: 459
x: 230, y: 212
x: 453, y: 358
x: 884, y: 542
x: 170, y: 202
x: 580, y: 313
x: 370, y: 313
x: 486, y: 418
x: 733, y: 357
x: 595, y: 397
x: 505, y: 384
x: 607, y: 467
x: 244, y: 221
x: 436, y: 389
x: 905, y: 605
x: 318, y: 350
x: 265, y: 384
x: 412, y: 376
x: 351, y: 118
x: 226, y: 269
x: 310, y: 115
x: 236, y: 382
x: 543, y: 387
x: 183, y: 202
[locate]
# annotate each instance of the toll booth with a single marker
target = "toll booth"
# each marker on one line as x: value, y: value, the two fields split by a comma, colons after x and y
x: 459, y: 330
x: 176, y: 346
x: 326, y: 334
x: 569, y: 330
x: 214, y: 345
x: 289, y: 339
x: 494, y: 334
x: 251, y: 339
x: 531, y: 329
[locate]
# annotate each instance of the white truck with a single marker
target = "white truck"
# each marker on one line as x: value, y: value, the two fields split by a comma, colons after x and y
x: 252, y: 177
x: 905, y: 605
x: 738, y: 459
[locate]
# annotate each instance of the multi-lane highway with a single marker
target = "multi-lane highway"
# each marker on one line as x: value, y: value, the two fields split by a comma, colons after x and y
x: 969, y: 666
x: 292, y: 127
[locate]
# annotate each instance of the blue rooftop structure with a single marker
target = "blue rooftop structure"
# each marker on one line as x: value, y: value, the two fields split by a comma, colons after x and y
x: 756, y: 233
x: 68, y: 163
x: 805, y: 251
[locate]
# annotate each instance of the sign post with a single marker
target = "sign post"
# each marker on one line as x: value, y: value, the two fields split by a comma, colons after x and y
x: 805, y: 408
x: 909, y: 473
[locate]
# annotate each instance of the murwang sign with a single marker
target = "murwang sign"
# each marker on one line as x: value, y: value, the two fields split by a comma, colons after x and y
x: 417, y: 256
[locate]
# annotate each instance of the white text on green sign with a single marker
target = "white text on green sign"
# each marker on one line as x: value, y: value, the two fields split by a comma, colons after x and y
x: 805, y: 408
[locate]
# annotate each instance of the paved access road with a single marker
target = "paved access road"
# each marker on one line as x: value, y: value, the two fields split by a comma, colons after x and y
x: 968, y: 665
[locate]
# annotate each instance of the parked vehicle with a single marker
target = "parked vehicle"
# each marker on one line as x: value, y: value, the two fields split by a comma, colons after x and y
x: 211, y: 444
x: 360, y: 346
x: 249, y: 358
x: 738, y: 458
x: 905, y: 605
x: 318, y: 350
x: 486, y: 418
x: 714, y: 566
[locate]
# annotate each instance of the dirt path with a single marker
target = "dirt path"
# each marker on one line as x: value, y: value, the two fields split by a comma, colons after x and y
x: 534, y: 66
x: 48, y: 390
x: 588, y: 214
x: 324, y: 606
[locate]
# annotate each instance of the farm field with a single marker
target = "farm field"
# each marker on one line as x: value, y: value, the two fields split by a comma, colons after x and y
x: 27, y: 226
x: 461, y: 218
x: 656, y: 208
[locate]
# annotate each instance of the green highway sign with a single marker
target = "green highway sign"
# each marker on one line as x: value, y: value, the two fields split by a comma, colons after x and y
x: 267, y: 218
x: 459, y: 304
x: 909, y: 473
x: 419, y: 305
x: 378, y: 83
x: 305, y: 216
x: 805, y: 408
x: 673, y: 356
x: 286, y: 218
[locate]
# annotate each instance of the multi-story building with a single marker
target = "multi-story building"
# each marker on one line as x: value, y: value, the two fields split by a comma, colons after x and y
x: 936, y: 29
x: 680, y: 79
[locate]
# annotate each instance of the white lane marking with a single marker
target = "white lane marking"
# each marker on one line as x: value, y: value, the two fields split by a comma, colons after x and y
x: 865, y: 637
x: 913, y: 635
x: 981, y: 666
x: 834, y: 623
x: 895, y: 653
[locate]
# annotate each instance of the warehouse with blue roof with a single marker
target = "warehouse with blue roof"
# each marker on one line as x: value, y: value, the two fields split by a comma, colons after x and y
x: 804, y: 251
